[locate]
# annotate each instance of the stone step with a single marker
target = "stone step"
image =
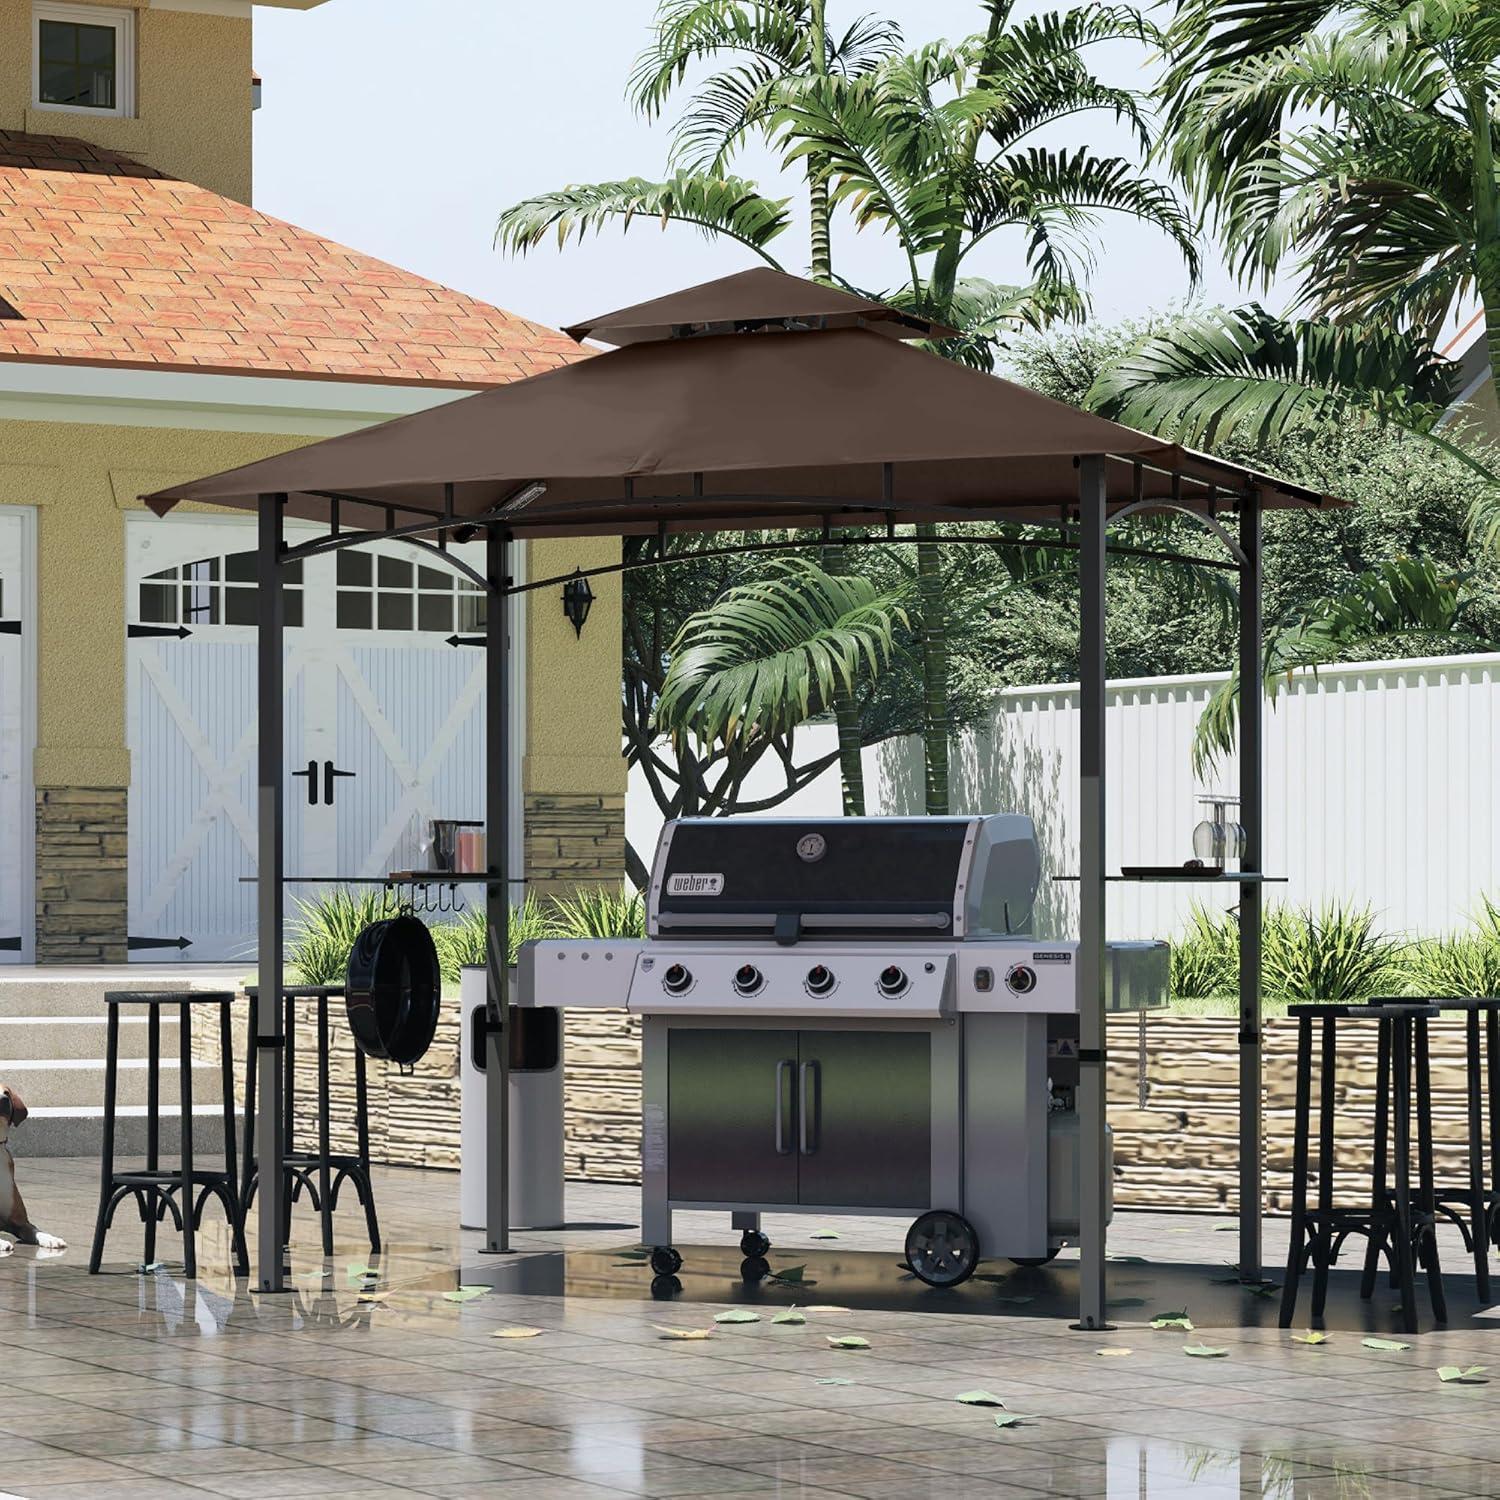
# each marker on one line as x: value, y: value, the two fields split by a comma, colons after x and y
x: 70, y: 1083
x: 54, y: 1131
x: 74, y: 1038
x: 31, y: 992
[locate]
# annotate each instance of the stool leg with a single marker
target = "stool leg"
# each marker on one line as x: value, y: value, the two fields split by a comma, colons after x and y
x: 232, y: 1201
x: 1492, y: 1069
x: 1401, y: 1231
x: 1379, y: 1200
x: 248, y: 1176
x: 1478, y: 1209
x: 107, y: 1156
x: 1298, y: 1246
x: 325, y: 1182
x: 289, y: 1111
x: 1427, y: 1174
x: 362, y: 1125
x: 189, y: 1228
x: 153, y: 1123
x: 1323, y: 1240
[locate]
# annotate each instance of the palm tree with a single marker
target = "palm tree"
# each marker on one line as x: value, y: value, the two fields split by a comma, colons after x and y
x: 1365, y: 155
x: 1245, y: 377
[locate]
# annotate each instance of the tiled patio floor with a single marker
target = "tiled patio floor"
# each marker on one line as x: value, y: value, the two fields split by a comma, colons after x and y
x: 130, y: 1385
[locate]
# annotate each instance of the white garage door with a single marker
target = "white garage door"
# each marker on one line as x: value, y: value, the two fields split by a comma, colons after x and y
x: 17, y: 736
x: 384, y: 723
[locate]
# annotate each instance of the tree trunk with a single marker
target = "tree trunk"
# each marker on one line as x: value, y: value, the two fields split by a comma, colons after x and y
x: 821, y: 265
x: 846, y: 715
x: 1486, y: 223
x: 934, y: 669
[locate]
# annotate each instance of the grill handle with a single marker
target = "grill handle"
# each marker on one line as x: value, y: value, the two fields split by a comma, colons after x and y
x: 782, y: 1149
x: 804, y: 1107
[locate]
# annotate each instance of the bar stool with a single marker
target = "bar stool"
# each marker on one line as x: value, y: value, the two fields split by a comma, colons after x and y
x: 1473, y: 1207
x: 298, y: 1168
x: 1388, y: 1220
x: 153, y: 1188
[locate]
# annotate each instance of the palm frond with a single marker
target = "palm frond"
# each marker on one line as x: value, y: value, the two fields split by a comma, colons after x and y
x: 728, y: 206
x: 769, y: 653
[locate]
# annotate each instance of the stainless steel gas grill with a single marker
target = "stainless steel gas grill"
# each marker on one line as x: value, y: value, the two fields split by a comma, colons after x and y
x: 850, y: 1016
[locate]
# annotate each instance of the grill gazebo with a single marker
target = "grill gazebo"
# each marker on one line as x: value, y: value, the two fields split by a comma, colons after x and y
x: 757, y: 401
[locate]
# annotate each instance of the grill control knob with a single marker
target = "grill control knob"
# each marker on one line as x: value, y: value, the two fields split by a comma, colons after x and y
x: 748, y: 979
x: 819, y: 979
x: 1021, y: 980
x: 892, y: 980
x: 676, y: 980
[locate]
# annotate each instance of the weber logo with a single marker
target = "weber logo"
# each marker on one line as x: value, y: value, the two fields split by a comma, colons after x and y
x: 1062, y: 957
x: 695, y: 885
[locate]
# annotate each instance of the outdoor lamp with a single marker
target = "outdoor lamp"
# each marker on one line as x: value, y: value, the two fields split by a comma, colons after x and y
x: 578, y: 599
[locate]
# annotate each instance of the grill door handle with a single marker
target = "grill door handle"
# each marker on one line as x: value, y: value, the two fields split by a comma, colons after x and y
x: 805, y: 1107
x: 782, y: 1149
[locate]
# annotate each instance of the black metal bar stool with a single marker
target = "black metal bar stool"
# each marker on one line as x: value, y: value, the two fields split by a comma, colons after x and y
x: 299, y: 1168
x: 154, y: 1188
x: 1388, y: 1220
x: 1473, y: 1206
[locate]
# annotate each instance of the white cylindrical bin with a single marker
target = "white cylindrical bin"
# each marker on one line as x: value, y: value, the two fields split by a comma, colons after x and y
x: 536, y: 1114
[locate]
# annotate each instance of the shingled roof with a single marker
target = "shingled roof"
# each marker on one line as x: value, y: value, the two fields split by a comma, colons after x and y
x: 106, y: 261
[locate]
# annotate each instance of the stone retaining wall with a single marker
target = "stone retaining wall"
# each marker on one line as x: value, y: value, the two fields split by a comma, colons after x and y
x: 81, y: 892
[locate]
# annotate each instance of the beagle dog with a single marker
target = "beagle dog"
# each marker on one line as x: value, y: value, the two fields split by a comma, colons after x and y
x: 13, y: 1219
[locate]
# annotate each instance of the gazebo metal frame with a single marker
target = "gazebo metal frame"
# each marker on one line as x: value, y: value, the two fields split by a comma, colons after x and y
x: 1161, y: 478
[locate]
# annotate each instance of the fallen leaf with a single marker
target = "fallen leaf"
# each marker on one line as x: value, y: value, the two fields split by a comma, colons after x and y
x: 1226, y: 1228
x: 825, y: 1307
x: 683, y: 1333
x: 1390, y: 1344
x: 1173, y: 1320
x: 1127, y: 1260
x: 465, y: 1294
x: 1312, y: 1336
x: 1447, y: 1373
x: 362, y: 1273
x: 1266, y: 1290
x: 737, y: 1315
x: 978, y: 1398
x: 824, y: 1234
x: 791, y: 1275
x: 1204, y: 1351
x: 148, y: 1269
x: 848, y: 1341
x: 834, y: 1380
x: 516, y: 1333
x: 1112, y: 1353
x: 1008, y: 1419
x: 633, y: 1254
x: 791, y: 1315
x: 373, y: 1297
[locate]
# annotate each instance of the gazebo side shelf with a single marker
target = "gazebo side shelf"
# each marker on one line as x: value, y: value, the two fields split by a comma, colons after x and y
x: 758, y: 402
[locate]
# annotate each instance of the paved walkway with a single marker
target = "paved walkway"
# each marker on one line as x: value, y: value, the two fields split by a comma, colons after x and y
x: 127, y: 1385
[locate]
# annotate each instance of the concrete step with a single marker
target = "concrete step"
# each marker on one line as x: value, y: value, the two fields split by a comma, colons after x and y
x: 52, y: 1131
x: 32, y: 992
x: 75, y: 1038
x: 70, y: 1083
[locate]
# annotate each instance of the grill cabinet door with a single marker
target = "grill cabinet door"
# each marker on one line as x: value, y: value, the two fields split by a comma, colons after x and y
x: 723, y: 1090
x: 864, y: 1119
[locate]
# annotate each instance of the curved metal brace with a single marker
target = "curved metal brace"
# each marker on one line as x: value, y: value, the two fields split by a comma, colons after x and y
x: 1211, y: 523
x: 349, y: 1173
x: 412, y: 536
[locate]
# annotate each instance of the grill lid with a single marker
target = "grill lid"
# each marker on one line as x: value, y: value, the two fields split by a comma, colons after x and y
x: 854, y: 877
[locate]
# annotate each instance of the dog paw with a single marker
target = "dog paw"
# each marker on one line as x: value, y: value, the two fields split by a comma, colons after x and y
x: 6, y: 1248
x: 50, y: 1242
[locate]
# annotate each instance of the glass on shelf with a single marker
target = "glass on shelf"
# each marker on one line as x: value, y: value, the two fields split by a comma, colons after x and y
x: 1218, y: 839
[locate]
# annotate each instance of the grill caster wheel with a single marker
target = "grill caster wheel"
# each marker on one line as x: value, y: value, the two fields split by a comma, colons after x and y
x: 754, y: 1244
x: 1033, y: 1260
x: 665, y: 1261
x: 664, y: 1288
x: 942, y: 1248
x: 754, y: 1269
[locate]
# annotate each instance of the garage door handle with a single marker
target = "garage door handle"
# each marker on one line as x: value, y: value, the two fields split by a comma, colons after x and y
x: 782, y: 1149
x: 328, y: 778
x: 312, y: 782
x: 805, y: 1107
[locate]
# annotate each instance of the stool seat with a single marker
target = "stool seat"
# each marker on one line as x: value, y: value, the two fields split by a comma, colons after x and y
x: 1448, y: 1002
x: 1362, y: 1010
x: 153, y: 1187
x: 300, y: 991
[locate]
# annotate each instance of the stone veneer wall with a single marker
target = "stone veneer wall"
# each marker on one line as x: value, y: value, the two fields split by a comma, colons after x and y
x: 81, y: 894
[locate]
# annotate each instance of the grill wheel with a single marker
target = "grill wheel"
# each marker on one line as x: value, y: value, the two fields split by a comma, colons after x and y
x: 942, y: 1248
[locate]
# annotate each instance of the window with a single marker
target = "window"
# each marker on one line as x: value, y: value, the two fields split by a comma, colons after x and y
x: 214, y: 591
x: 83, y: 58
x: 392, y: 593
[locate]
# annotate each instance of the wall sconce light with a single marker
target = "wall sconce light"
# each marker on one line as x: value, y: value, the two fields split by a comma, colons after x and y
x: 578, y: 599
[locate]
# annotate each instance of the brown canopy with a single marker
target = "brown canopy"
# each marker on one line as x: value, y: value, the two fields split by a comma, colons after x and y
x: 731, y: 430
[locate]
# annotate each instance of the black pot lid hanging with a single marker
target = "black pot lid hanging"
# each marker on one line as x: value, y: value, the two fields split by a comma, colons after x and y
x: 394, y: 990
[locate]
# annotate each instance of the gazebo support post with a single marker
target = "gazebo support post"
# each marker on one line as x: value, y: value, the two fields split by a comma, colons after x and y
x: 497, y: 791
x: 1093, y: 1167
x: 1252, y: 816
x: 270, y: 868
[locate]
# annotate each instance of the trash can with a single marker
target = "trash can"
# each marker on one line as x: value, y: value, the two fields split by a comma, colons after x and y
x: 536, y: 1113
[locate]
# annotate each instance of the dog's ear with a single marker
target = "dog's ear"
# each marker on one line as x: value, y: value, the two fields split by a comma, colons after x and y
x: 18, y: 1109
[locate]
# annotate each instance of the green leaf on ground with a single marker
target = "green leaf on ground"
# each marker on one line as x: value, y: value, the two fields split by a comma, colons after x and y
x: 633, y: 1254
x: 1128, y: 1260
x: 737, y: 1315
x: 683, y: 1333
x: 824, y: 1234
x: 848, y: 1341
x: 1312, y: 1336
x: 1173, y: 1320
x: 1204, y: 1351
x: 1473, y: 1375
x: 978, y: 1398
x: 1008, y: 1419
x: 791, y: 1315
x: 361, y: 1273
x: 834, y: 1380
x: 516, y: 1333
x: 825, y: 1307
x: 790, y: 1276
x: 1113, y: 1353
x: 465, y: 1294
x: 1394, y: 1346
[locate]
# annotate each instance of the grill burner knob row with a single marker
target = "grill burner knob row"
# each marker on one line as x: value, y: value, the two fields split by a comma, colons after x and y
x: 892, y: 981
x: 677, y: 980
x: 748, y: 979
x: 819, y: 979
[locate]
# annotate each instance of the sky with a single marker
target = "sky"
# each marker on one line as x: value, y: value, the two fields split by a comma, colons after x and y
x: 444, y: 112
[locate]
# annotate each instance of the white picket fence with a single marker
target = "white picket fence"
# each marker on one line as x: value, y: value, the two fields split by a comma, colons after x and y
x: 1380, y: 789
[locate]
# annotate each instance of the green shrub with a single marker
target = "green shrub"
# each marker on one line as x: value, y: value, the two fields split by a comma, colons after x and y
x: 1459, y: 964
x: 461, y: 944
x: 599, y: 912
x: 1334, y: 953
x: 1205, y: 959
x: 322, y: 930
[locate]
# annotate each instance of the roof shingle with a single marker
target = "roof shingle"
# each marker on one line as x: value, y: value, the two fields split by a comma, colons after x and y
x: 104, y: 260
